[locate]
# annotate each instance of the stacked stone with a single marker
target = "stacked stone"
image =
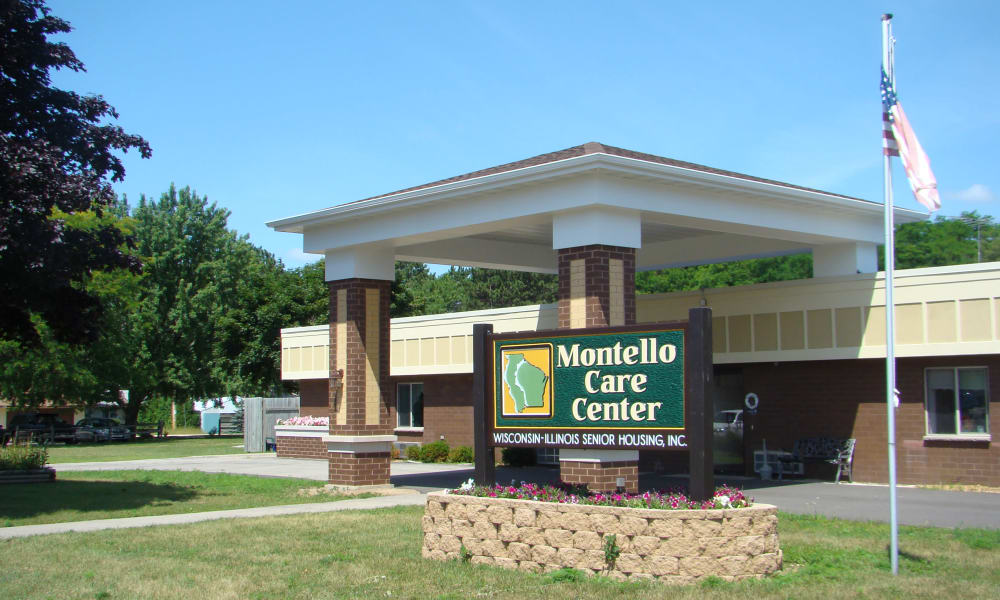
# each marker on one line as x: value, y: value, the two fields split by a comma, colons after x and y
x: 673, y: 546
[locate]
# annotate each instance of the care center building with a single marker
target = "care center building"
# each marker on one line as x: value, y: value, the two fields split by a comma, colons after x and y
x: 811, y: 350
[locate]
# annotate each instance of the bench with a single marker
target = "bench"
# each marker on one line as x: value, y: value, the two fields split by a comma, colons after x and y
x: 147, y: 430
x: 839, y: 452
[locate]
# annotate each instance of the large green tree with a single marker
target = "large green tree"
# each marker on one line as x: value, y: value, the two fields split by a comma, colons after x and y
x: 58, y: 157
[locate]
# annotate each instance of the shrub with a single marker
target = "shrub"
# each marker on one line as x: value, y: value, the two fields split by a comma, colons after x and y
x: 23, y: 457
x: 460, y: 454
x: 413, y: 453
x: 394, y: 452
x: 434, y: 452
x: 518, y: 457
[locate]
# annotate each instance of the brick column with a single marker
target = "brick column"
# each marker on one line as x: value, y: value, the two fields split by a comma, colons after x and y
x: 596, y: 286
x: 597, y: 289
x: 361, y: 434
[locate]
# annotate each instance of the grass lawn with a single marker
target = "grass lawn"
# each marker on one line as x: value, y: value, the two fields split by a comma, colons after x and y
x: 84, y: 495
x: 145, y: 448
x: 376, y: 554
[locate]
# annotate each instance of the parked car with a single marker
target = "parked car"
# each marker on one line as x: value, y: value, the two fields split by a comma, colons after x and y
x: 92, y: 430
x: 43, y: 427
x: 103, y: 429
x: 728, y: 420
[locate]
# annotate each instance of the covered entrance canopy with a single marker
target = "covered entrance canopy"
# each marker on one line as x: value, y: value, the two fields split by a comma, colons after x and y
x: 594, y: 214
x: 518, y: 215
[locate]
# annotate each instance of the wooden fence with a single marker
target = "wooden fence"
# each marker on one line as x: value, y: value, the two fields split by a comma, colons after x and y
x: 260, y: 416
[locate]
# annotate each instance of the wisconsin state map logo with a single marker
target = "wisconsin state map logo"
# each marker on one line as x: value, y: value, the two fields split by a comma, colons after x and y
x: 526, y: 373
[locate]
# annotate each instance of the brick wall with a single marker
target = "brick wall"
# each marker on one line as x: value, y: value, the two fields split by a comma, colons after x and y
x: 359, y: 469
x: 314, y: 397
x: 300, y: 447
x: 601, y: 476
x: 846, y: 398
x: 447, y: 409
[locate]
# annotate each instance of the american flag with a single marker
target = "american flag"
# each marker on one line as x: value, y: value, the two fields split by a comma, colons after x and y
x: 898, y: 139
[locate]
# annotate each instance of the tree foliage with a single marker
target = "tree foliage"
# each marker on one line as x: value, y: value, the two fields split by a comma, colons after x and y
x: 58, y: 157
x: 946, y: 241
x: 742, y: 272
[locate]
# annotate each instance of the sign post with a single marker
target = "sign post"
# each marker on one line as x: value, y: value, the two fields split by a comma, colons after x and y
x: 699, y: 406
x: 485, y: 473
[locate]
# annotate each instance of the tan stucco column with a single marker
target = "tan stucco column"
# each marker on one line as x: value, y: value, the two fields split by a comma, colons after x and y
x: 597, y: 289
x: 361, y: 434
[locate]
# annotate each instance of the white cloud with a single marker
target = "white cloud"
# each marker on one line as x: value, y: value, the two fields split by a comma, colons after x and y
x: 975, y: 193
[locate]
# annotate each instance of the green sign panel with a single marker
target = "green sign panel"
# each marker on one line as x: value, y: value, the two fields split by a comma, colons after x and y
x: 607, y: 381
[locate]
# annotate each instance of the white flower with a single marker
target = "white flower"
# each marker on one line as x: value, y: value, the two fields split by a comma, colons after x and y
x: 723, y: 499
x: 467, y: 486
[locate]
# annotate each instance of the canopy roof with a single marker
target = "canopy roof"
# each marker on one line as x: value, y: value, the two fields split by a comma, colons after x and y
x: 517, y: 215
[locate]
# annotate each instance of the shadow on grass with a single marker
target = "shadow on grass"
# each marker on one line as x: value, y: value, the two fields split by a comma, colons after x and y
x: 22, y: 501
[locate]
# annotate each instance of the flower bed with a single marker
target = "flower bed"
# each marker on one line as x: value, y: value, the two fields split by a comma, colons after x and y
x: 307, y: 421
x: 606, y: 535
x: 562, y: 493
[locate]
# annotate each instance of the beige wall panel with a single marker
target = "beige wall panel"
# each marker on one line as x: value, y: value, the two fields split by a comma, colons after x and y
x: 819, y: 328
x: 320, y: 358
x: 996, y: 317
x: 874, y: 326
x: 468, y: 348
x: 577, y: 294
x: 975, y: 318
x: 373, y: 387
x: 793, y: 330
x: 765, y: 332
x: 442, y: 351
x: 427, y: 351
x: 616, y: 292
x: 412, y: 353
x: 719, y: 334
x: 848, y: 327
x: 909, y: 324
x: 739, y: 333
x: 396, y: 353
x: 458, y: 350
x: 941, y: 323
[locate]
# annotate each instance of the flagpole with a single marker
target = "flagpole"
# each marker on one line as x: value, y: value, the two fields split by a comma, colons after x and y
x: 890, y: 310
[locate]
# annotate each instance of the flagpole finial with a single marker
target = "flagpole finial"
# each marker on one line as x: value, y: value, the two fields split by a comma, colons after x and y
x: 886, y: 16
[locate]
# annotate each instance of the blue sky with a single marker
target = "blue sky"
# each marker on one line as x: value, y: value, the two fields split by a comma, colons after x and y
x: 278, y: 108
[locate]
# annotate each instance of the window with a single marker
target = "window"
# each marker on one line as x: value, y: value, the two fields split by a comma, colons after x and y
x: 410, y: 405
x: 957, y: 402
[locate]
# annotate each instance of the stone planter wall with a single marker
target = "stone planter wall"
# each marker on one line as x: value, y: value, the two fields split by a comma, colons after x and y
x: 301, y: 441
x: 43, y: 475
x: 674, y: 546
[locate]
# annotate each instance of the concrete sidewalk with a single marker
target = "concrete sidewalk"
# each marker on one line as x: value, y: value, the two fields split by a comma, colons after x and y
x: 413, y: 499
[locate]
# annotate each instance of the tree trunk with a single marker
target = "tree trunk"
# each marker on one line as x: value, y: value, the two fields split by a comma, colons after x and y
x: 132, y: 408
